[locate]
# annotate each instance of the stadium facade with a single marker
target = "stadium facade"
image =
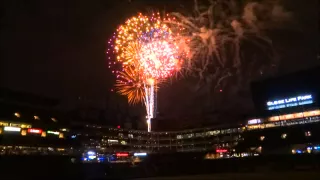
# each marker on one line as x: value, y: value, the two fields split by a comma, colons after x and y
x: 287, y: 121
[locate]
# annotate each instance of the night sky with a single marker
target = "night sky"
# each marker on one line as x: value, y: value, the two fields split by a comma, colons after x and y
x: 57, y: 49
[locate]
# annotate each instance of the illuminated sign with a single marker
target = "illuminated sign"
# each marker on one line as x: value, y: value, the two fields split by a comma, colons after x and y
x: 113, y: 141
x: 20, y: 125
x: 53, y: 132
x: 15, y: 129
x: 290, y: 102
x: 36, y: 131
x: 140, y: 154
x: 254, y: 121
x: 91, y: 153
x: 221, y: 150
x: 122, y: 154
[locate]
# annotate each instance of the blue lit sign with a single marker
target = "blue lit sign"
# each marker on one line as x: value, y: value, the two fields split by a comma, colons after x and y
x: 290, y: 102
x: 254, y: 121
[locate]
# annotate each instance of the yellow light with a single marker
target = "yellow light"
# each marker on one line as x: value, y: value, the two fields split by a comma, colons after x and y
x: 25, y: 126
x: 23, y: 132
x: 43, y: 134
x: 16, y: 114
x: 4, y: 124
x: 61, y: 135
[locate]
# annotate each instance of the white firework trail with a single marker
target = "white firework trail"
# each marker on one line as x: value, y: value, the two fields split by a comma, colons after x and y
x: 149, y: 102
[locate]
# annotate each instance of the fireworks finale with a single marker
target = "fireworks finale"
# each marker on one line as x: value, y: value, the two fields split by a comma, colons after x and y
x: 218, y: 42
x: 147, y: 53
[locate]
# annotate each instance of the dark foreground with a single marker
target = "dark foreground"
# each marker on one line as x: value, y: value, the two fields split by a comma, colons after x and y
x: 246, y: 176
x: 178, y: 165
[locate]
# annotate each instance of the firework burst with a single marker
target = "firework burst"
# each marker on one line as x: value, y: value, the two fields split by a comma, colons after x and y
x: 146, y: 41
x: 135, y: 33
x: 129, y: 83
x: 217, y: 35
x: 159, y: 59
x: 148, y: 53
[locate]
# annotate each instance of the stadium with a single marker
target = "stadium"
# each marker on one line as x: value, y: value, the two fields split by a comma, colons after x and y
x: 287, y: 121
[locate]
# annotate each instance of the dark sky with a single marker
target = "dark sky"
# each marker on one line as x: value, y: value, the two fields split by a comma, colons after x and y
x: 57, y: 48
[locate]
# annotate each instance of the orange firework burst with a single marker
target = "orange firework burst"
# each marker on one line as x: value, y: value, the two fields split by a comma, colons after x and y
x: 130, y: 35
x: 131, y: 84
x: 149, y: 42
x: 148, y: 52
x: 147, y: 49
